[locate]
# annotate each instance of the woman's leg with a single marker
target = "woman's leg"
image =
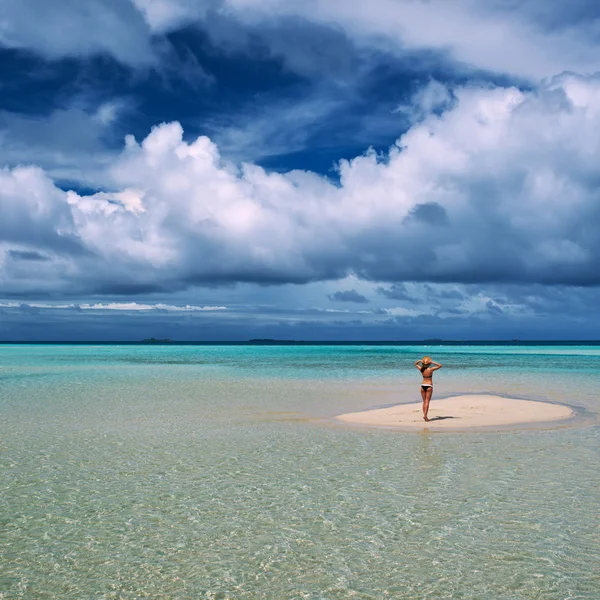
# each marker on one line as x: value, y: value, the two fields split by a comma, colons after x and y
x: 424, y: 397
x: 426, y: 400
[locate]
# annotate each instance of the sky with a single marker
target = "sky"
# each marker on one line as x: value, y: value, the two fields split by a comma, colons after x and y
x: 299, y: 169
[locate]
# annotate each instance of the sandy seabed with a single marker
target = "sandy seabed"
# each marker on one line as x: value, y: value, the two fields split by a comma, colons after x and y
x: 462, y: 412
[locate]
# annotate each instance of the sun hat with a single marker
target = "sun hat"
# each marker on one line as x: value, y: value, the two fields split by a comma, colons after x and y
x: 426, y: 360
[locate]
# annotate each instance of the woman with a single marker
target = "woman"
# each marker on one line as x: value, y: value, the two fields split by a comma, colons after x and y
x: 427, y: 367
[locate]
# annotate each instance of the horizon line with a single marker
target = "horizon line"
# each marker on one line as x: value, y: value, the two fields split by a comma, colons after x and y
x: 267, y: 342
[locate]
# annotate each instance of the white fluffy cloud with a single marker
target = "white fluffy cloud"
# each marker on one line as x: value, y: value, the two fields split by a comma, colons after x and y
x: 502, y: 187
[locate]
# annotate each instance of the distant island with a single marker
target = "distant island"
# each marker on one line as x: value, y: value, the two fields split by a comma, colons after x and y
x: 271, y: 341
x: 155, y: 341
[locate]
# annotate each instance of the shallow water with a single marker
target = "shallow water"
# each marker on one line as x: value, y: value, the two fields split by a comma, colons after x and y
x: 201, y: 472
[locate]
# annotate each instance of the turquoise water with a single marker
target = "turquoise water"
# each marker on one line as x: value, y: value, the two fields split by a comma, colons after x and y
x: 214, y: 472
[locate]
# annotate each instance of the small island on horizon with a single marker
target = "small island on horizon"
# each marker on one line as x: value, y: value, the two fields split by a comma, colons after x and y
x: 271, y: 341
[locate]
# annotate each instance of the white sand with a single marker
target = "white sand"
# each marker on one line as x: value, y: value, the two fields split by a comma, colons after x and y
x: 461, y: 412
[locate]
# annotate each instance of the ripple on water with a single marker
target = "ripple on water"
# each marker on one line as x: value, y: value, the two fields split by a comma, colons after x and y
x: 162, y: 487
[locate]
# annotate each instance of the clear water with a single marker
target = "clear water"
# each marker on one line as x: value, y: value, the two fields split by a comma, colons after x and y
x: 213, y: 472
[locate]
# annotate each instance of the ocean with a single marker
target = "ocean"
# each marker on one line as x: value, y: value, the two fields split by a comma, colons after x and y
x: 217, y: 471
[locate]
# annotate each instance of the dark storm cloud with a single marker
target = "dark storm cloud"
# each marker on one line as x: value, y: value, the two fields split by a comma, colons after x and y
x: 348, y: 296
x: 568, y: 313
x: 397, y: 291
x: 27, y: 255
x: 430, y: 213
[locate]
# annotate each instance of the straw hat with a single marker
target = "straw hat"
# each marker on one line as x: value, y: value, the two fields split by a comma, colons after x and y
x: 426, y: 360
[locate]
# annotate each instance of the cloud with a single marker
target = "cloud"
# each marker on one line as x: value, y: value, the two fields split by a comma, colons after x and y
x: 72, y: 143
x: 25, y: 255
x: 274, y: 127
x: 348, y: 296
x: 511, y: 175
x: 130, y: 32
x: 398, y: 291
x: 112, y: 306
x: 166, y: 15
x: 430, y: 213
x: 534, y: 40
x: 70, y: 28
x: 302, y: 46
x: 315, y: 125
x: 433, y: 97
x: 528, y: 312
x: 35, y: 212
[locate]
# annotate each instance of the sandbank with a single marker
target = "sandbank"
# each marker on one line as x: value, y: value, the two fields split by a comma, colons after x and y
x: 461, y: 412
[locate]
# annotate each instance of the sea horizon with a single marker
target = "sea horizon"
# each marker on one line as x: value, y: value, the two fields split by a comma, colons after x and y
x: 269, y: 342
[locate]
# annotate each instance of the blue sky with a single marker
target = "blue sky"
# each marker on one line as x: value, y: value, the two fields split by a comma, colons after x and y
x: 315, y: 169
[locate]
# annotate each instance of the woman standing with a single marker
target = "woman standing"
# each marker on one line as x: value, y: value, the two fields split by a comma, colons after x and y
x: 427, y: 367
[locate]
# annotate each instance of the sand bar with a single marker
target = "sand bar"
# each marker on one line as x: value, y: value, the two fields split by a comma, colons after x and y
x: 462, y: 412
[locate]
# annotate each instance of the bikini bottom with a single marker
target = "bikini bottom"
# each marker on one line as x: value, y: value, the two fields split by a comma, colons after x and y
x: 426, y: 386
